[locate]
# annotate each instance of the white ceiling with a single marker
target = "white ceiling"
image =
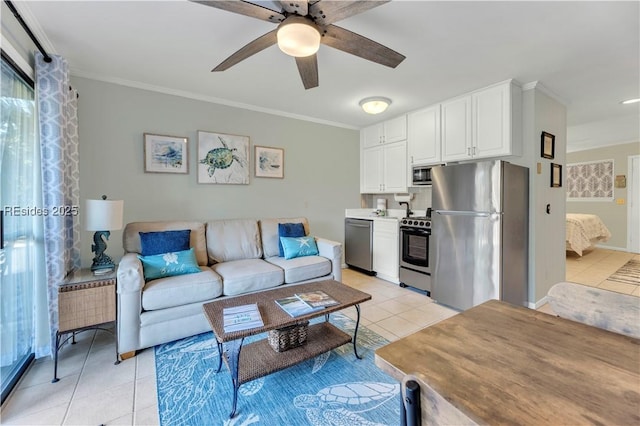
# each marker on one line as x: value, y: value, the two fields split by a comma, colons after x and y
x: 585, y: 53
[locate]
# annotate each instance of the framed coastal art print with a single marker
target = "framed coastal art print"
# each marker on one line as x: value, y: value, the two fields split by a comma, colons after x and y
x: 269, y: 162
x: 165, y: 154
x: 548, y: 145
x: 556, y: 175
x: 223, y: 158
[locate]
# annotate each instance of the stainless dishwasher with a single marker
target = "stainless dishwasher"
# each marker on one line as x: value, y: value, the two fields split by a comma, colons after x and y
x: 358, y: 243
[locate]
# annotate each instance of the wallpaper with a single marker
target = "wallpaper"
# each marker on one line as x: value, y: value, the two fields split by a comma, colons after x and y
x: 592, y: 180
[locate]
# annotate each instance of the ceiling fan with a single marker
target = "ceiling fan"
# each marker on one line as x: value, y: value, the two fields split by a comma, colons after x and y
x: 302, y: 26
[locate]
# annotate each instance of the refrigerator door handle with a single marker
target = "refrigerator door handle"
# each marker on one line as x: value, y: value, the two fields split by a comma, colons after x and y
x: 462, y: 213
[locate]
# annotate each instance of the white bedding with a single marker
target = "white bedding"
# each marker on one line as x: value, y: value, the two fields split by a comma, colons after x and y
x: 584, y: 230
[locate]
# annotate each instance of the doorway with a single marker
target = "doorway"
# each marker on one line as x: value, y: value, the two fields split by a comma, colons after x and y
x: 633, y: 204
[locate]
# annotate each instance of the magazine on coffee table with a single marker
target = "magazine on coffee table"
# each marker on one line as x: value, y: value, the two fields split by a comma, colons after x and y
x: 241, y: 317
x: 295, y: 307
x: 317, y: 299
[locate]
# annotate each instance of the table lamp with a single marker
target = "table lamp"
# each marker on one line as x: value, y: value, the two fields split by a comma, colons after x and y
x: 102, y: 216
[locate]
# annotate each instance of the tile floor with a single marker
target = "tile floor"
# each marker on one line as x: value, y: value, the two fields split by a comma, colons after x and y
x: 595, y: 266
x: 92, y: 390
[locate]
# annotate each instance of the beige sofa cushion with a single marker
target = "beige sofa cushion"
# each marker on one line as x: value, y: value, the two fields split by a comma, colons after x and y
x: 233, y: 239
x: 131, y: 236
x: 302, y: 268
x: 181, y: 290
x: 269, y: 233
x: 243, y: 276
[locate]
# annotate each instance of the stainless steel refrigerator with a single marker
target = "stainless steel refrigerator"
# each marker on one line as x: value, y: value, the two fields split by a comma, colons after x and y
x: 479, y: 242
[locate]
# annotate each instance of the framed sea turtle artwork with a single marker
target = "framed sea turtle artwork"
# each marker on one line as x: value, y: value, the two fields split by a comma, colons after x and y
x: 269, y: 162
x: 165, y: 154
x: 223, y: 158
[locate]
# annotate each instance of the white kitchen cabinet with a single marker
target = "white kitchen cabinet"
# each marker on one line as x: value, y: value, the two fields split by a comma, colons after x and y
x: 386, y: 250
x: 395, y: 167
x: 372, y: 170
x: 496, y: 121
x: 384, y: 168
x: 423, y: 137
x: 456, y: 129
x: 485, y: 123
x: 390, y: 131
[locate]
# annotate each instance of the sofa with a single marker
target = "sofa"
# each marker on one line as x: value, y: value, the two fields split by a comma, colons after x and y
x: 234, y: 256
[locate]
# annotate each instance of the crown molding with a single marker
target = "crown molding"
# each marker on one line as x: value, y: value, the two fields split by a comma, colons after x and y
x: 35, y: 27
x: 539, y: 86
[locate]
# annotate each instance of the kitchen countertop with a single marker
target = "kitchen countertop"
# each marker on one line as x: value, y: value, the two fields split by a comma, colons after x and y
x: 392, y: 214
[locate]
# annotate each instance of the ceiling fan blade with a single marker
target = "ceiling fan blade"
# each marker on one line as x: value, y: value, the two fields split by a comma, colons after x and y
x: 358, y: 45
x: 257, y: 45
x: 308, y: 68
x: 245, y: 8
x: 326, y: 12
x: 300, y: 7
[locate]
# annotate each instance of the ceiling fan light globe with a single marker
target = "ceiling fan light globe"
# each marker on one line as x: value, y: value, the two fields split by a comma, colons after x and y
x: 298, y: 39
x: 375, y: 105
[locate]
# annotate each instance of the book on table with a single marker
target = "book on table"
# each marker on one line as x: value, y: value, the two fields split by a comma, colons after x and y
x: 242, y: 317
x: 317, y: 299
x: 295, y: 307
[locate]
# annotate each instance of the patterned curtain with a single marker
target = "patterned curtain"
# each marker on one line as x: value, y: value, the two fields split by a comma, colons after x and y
x: 58, y: 124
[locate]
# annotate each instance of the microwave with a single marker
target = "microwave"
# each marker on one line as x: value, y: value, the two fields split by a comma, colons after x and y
x: 421, y: 175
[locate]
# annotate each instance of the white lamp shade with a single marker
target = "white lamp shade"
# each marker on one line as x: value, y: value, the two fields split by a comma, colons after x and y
x: 298, y: 38
x: 103, y: 215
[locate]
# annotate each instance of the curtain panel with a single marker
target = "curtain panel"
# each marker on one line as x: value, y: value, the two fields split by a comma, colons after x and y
x: 58, y: 126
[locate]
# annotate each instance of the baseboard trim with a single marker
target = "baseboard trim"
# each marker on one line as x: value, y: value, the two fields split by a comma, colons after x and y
x: 537, y: 304
x: 602, y: 246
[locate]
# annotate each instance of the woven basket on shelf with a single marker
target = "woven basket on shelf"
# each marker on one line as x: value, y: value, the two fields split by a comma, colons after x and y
x: 289, y: 337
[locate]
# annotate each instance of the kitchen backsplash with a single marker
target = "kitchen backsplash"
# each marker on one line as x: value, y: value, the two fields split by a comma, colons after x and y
x: 421, y: 200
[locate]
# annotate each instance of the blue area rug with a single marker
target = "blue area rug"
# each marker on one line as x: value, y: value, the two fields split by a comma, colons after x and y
x: 335, y: 388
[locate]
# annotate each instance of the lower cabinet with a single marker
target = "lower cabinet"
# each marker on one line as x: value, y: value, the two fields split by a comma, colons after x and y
x: 386, y: 261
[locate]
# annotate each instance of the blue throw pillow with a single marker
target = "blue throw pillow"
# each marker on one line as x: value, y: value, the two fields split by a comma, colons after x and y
x: 289, y: 230
x: 299, y: 246
x: 164, y: 242
x: 169, y: 264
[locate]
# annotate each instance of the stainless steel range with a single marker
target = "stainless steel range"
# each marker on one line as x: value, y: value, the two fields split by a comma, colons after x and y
x: 415, y: 233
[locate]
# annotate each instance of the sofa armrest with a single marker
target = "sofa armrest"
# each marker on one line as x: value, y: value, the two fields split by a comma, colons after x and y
x: 332, y: 250
x: 129, y: 292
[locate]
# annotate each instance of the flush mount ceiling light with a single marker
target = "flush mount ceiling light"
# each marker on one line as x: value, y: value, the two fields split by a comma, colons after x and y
x: 375, y: 104
x: 630, y: 101
x: 298, y: 37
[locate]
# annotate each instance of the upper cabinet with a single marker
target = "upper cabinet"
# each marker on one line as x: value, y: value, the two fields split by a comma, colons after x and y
x: 423, y: 136
x: 384, y: 168
x: 485, y: 123
x: 394, y: 130
x: 482, y: 124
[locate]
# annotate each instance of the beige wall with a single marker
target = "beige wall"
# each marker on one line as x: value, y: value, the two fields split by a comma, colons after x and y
x: 612, y: 214
x: 321, y: 162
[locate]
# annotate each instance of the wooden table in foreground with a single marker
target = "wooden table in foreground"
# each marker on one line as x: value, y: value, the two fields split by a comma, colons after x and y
x: 501, y: 364
x: 258, y: 359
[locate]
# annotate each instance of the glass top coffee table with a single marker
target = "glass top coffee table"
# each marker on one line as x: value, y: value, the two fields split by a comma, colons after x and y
x: 259, y: 359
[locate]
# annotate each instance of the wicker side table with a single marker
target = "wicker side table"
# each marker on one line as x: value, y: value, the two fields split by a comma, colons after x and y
x: 85, y: 302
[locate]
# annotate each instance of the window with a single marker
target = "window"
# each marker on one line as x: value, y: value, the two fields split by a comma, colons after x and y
x: 21, y: 252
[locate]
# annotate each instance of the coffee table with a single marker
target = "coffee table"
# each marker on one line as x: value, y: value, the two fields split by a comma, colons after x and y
x: 258, y: 359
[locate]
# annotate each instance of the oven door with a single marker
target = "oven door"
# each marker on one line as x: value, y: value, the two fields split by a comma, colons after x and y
x: 414, y: 249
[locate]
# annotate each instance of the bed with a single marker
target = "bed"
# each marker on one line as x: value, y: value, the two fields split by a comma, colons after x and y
x: 584, y: 231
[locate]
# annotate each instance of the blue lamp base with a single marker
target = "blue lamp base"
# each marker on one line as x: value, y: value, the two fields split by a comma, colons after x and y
x: 102, y: 263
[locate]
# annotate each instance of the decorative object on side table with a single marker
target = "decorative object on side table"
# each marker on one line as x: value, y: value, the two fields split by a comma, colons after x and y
x: 223, y: 158
x: 548, y: 145
x: 102, y: 216
x: 165, y: 154
x: 85, y: 302
x: 269, y: 162
x: 556, y: 175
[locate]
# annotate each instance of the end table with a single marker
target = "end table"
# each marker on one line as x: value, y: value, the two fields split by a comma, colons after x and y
x: 85, y: 302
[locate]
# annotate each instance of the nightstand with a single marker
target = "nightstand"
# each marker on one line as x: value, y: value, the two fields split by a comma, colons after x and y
x: 85, y: 302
